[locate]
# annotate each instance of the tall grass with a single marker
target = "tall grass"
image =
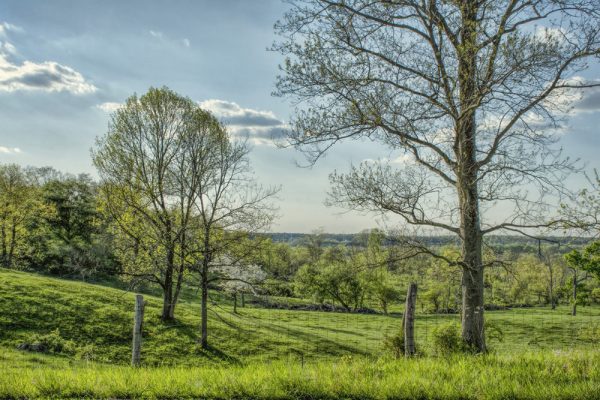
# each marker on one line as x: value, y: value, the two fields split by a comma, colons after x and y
x: 542, y: 375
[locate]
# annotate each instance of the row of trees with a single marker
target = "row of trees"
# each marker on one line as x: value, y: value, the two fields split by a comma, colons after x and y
x: 367, y: 274
x: 51, y: 222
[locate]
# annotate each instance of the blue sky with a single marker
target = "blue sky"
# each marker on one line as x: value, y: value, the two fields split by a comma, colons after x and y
x: 65, y: 64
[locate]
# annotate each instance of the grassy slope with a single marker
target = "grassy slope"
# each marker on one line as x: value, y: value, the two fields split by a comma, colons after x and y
x: 102, y: 317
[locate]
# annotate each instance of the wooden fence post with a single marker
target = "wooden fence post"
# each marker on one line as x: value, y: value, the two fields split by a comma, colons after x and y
x: 138, y: 320
x: 408, y: 322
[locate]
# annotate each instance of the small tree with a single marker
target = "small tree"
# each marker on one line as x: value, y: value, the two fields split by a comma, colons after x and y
x: 587, y: 261
x: 239, y: 279
x: 229, y: 209
x: 333, y: 277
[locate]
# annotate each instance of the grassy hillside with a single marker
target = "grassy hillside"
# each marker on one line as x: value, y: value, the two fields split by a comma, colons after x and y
x: 98, y: 321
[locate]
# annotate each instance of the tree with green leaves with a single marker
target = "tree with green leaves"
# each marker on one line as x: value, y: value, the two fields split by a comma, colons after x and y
x: 587, y: 261
x: 147, y: 185
x: 19, y: 204
x: 333, y: 277
x: 466, y: 93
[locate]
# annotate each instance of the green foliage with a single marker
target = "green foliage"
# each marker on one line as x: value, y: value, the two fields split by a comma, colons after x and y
x: 394, y: 344
x: 51, y: 223
x: 51, y: 342
x: 587, y: 259
x: 337, y: 280
x: 447, y: 339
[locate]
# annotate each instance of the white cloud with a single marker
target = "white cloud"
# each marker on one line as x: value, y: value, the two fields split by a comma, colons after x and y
x: 10, y: 150
x: 574, y: 101
x: 48, y: 76
x: 165, y: 39
x: 109, y: 106
x: 403, y: 159
x: 7, y: 48
x: 260, y: 127
x: 5, y: 27
x: 156, y: 34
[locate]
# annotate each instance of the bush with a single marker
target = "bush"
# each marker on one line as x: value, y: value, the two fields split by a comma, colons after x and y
x: 51, y: 342
x: 595, y: 295
x: 447, y: 339
x: 87, y: 352
x: 394, y: 344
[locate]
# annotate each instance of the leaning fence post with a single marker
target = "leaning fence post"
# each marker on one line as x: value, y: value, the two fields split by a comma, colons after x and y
x: 408, y: 322
x: 138, y: 320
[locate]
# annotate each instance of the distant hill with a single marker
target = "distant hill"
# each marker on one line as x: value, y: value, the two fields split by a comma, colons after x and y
x: 516, y: 242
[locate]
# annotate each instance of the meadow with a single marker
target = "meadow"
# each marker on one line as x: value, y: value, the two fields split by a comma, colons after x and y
x: 271, y: 353
x: 98, y: 321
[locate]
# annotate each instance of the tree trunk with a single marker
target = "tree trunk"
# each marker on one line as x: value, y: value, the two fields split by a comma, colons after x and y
x: 4, y: 246
x: 204, y: 306
x: 235, y: 302
x: 168, y: 311
x: 243, y: 300
x: 470, y: 232
x: 468, y: 194
x: 552, y: 302
x: 177, y: 291
x: 574, y: 310
x: 13, y: 242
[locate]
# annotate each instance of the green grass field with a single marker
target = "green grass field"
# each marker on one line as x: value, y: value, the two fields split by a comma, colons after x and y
x: 542, y: 375
x: 265, y: 353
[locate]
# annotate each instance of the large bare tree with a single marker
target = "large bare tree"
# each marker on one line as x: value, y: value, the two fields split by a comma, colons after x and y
x: 470, y: 94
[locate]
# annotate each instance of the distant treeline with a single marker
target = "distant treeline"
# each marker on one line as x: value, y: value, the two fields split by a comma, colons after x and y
x: 513, y: 242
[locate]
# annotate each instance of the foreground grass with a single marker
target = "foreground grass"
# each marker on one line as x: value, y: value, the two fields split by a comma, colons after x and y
x: 542, y: 375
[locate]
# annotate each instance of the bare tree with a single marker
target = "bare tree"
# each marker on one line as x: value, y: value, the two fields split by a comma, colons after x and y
x: 230, y: 210
x: 141, y: 164
x: 469, y: 93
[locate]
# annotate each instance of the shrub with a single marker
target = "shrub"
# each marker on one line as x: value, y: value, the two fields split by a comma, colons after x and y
x: 595, y: 295
x: 447, y: 339
x: 394, y: 344
x: 51, y: 342
x: 87, y: 352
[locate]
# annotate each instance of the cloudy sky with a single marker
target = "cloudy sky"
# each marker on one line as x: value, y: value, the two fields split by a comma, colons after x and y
x: 65, y: 65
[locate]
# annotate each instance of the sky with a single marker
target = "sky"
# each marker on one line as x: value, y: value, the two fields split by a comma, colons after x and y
x: 65, y: 65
